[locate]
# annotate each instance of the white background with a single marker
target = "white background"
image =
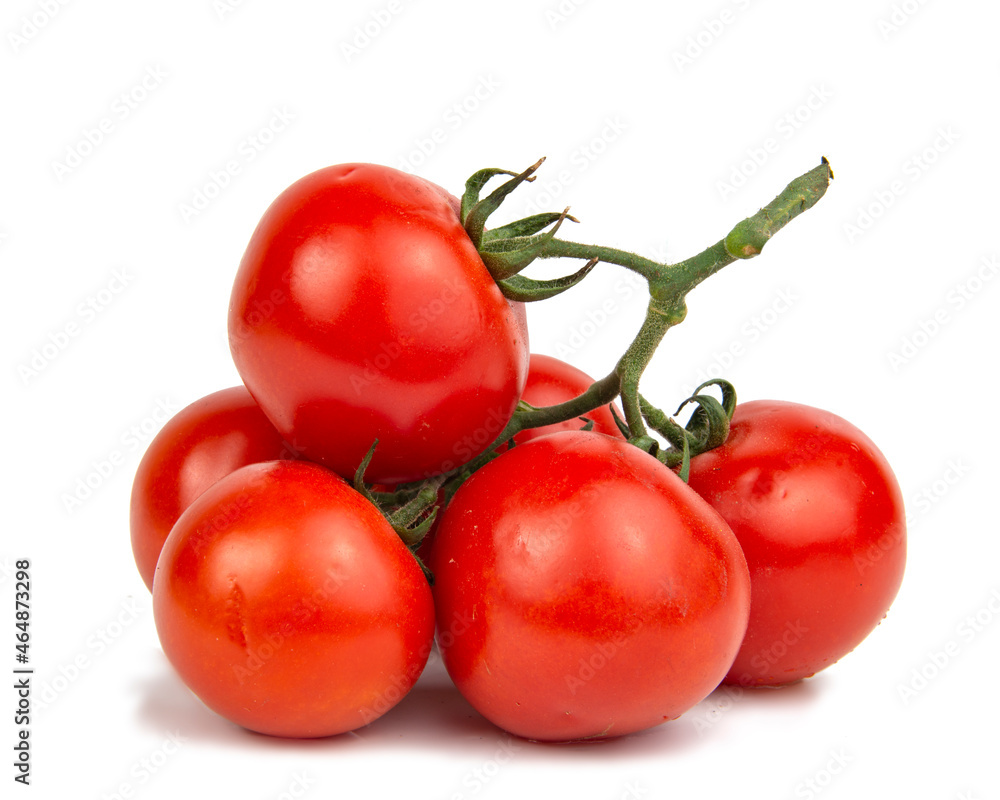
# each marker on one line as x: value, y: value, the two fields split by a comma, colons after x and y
x: 664, y: 124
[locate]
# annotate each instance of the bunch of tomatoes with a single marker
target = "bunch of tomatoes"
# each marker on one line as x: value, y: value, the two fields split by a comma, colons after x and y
x: 308, y: 536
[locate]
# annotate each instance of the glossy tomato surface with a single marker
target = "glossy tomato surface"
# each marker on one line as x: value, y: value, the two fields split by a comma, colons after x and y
x: 288, y: 605
x: 361, y: 311
x: 200, y: 444
x: 820, y: 517
x: 552, y: 381
x: 583, y: 591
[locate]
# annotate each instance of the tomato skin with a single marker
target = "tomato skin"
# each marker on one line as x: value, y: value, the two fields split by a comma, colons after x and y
x: 583, y: 591
x: 288, y: 604
x: 200, y: 444
x: 552, y: 381
x: 820, y: 517
x: 361, y: 310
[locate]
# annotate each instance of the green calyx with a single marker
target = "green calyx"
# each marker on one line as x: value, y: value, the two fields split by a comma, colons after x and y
x: 410, y: 510
x: 527, y: 290
x: 507, y: 250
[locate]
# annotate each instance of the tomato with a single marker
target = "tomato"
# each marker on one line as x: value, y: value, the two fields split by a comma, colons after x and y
x: 583, y: 591
x: 200, y: 444
x: 288, y: 604
x: 551, y: 381
x: 820, y: 517
x: 361, y: 310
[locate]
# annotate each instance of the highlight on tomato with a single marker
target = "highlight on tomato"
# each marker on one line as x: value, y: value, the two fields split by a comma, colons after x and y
x: 202, y: 443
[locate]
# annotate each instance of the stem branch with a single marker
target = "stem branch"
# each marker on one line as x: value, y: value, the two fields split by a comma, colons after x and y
x: 669, y: 285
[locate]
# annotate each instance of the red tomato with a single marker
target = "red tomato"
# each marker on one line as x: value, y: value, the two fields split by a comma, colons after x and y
x: 551, y: 381
x: 820, y: 518
x: 204, y: 442
x: 362, y: 311
x: 288, y: 604
x: 583, y: 591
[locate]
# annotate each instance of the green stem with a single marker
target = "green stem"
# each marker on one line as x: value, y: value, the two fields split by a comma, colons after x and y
x: 560, y: 248
x: 669, y: 285
x: 674, y: 282
x: 748, y: 238
x: 635, y: 360
x: 600, y: 393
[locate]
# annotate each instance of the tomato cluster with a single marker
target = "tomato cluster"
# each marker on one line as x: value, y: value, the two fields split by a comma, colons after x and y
x: 580, y: 588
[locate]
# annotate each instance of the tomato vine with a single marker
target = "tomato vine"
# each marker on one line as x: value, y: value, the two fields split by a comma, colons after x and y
x: 507, y: 250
